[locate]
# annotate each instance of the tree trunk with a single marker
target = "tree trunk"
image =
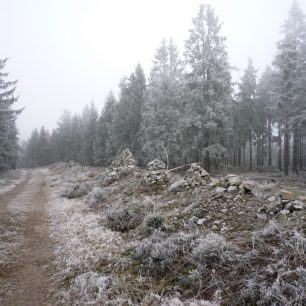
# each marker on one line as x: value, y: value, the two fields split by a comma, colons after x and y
x: 251, y: 152
x: 295, y: 153
x: 243, y: 153
x: 234, y: 157
x: 269, y: 142
x: 286, y: 149
x: 301, y: 152
x: 262, y: 150
x: 279, y: 147
x: 208, y: 163
x: 239, y: 156
x: 258, y: 151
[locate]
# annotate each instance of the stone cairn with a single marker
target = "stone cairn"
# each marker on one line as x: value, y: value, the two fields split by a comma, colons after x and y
x: 233, y: 184
x: 196, y: 176
x: 230, y: 183
x: 125, y: 163
x: 125, y: 159
x: 157, y: 174
x: 283, y: 203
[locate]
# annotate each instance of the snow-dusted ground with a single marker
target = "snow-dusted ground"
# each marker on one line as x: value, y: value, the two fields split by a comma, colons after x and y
x: 107, y: 257
x: 81, y: 244
x: 83, y: 247
x: 9, y: 180
x: 25, y: 250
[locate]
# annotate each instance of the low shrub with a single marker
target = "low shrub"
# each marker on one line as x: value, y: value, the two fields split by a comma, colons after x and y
x: 125, y: 218
x: 281, y: 277
x: 95, y: 198
x: 212, y: 250
x: 154, y: 221
x: 72, y: 191
x: 159, y: 252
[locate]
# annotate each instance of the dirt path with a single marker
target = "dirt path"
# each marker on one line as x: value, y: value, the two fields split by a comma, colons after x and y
x: 25, y: 247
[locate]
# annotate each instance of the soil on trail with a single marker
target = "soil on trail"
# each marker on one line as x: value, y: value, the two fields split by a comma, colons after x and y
x: 26, y: 257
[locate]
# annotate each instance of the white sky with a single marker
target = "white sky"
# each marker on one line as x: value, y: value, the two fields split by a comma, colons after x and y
x: 67, y: 53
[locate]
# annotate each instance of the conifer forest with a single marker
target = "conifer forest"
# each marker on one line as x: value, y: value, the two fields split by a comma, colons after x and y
x: 189, y: 107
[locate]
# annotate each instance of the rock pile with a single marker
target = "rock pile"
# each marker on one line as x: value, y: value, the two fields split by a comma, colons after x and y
x: 196, y: 176
x: 232, y: 184
x: 122, y: 166
x: 125, y: 159
x: 157, y: 174
x: 283, y: 203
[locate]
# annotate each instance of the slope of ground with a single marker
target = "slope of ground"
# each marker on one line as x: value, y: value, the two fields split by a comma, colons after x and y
x: 76, y: 235
x: 122, y: 241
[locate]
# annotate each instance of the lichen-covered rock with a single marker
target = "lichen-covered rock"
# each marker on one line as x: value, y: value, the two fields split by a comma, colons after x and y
x: 219, y: 190
x: 286, y: 195
x: 247, y: 187
x: 234, y: 180
x: 232, y: 189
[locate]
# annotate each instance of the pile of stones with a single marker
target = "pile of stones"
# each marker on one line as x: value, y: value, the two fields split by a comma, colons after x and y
x: 283, y: 203
x: 232, y: 184
x: 157, y: 174
x: 196, y: 176
x: 125, y: 159
x: 122, y: 166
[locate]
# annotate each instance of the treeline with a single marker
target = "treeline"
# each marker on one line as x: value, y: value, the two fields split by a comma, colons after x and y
x: 8, y: 131
x: 189, y: 108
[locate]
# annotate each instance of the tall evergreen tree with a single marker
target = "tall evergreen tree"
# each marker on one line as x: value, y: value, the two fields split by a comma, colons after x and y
x: 246, y: 97
x: 209, y: 82
x: 62, y: 137
x: 104, y: 148
x: 163, y: 105
x: 89, y: 132
x: 287, y: 63
x: 129, y: 111
x: 8, y: 130
x: 266, y: 108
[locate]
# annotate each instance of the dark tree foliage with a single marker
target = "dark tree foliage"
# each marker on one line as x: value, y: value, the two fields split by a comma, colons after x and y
x: 189, y: 111
x: 8, y: 130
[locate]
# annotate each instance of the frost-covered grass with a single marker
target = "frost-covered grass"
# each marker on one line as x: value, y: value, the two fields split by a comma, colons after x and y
x: 81, y: 242
x: 9, y: 180
x: 127, y: 245
x: 159, y: 253
x: 281, y: 277
x: 81, y: 245
x: 125, y: 218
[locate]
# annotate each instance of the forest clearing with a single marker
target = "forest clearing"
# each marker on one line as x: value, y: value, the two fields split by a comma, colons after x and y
x: 180, y: 183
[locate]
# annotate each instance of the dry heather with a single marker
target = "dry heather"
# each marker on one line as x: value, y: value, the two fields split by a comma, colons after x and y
x: 125, y: 243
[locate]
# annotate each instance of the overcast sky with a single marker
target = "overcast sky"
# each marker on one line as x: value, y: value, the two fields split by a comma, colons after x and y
x: 67, y: 53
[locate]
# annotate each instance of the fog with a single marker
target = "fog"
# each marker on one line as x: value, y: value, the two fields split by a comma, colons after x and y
x: 67, y: 53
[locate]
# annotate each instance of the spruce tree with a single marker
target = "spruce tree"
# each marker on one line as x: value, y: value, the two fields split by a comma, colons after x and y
x: 287, y: 63
x: 246, y: 98
x: 129, y: 112
x: 89, y: 133
x: 163, y: 105
x: 104, y: 148
x: 209, y: 82
x: 8, y: 130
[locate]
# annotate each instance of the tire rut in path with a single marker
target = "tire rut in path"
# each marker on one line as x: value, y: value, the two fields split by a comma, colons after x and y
x: 28, y: 276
